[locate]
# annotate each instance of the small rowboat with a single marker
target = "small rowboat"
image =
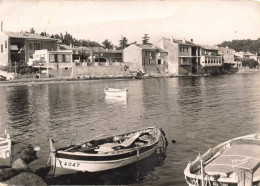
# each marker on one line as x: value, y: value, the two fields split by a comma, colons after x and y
x: 116, y: 92
x: 106, y: 153
x: 234, y: 162
x: 5, y: 150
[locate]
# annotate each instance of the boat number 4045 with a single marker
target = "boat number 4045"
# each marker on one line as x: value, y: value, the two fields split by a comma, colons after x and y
x: 71, y: 164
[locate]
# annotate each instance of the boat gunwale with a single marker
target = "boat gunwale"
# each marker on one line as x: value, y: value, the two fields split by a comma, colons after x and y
x: 120, y: 151
x: 217, y: 148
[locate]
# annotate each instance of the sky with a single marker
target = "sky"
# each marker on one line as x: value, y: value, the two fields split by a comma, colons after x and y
x: 207, y: 22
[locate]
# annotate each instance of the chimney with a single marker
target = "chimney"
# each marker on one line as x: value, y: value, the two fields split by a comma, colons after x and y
x: 191, y: 40
x: 2, y: 26
x: 183, y: 40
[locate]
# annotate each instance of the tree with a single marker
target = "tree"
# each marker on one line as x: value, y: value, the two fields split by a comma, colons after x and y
x: 123, y: 43
x: 44, y: 34
x: 146, y: 39
x: 107, y: 44
x: 251, y: 63
x: 32, y: 30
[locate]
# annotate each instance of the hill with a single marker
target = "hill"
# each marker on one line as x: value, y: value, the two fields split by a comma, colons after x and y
x: 243, y: 45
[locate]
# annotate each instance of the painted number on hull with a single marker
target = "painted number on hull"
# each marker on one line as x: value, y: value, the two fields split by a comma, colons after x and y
x: 70, y: 164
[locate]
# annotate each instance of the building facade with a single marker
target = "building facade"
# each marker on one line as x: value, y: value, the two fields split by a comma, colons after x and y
x: 145, y: 58
x: 45, y: 60
x: 18, y: 47
x: 94, y: 54
x: 228, y: 57
x: 183, y: 56
x: 211, y: 61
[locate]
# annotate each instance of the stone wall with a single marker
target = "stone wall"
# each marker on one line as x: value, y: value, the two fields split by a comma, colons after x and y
x: 98, y: 70
x: 78, y: 71
x: 184, y: 69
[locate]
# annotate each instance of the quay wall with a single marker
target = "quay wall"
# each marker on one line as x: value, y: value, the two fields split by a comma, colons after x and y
x: 78, y: 71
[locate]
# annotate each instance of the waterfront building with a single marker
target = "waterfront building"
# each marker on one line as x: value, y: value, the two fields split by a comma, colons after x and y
x: 183, y: 55
x: 146, y: 58
x: 94, y: 55
x: 211, y: 60
x: 228, y: 57
x: 16, y: 48
x: 245, y: 56
x: 45, y: 60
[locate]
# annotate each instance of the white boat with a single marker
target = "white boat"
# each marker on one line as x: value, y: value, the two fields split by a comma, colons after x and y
x: 106, y: 153
x: 116, y: 92
x: 5, y: 150
x: 234, y: 162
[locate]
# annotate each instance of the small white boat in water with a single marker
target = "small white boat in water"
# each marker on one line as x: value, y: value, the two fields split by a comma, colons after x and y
x: 234, y: 162
x: 116, y: 92
x: 5, y: 150
x: 106, y: 153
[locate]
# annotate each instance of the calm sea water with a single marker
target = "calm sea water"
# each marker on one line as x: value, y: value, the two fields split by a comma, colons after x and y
x: 197, y: 112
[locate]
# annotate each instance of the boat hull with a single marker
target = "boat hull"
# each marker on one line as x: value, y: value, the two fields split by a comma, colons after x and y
x: 106, y: 153
x: 70, y: 166
x: 5, y: 151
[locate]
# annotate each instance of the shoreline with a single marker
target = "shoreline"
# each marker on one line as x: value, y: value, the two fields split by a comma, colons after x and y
x: 25, y: 81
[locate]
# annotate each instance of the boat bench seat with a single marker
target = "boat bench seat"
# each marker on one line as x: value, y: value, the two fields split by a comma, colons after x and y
x: 233, y: 158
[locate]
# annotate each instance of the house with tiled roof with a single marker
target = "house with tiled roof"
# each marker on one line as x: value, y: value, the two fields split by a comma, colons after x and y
x: 16, y: 48
x: 94, y: 54
x: 183, y: 55
x: 146, y: 58
x: 210, y: 59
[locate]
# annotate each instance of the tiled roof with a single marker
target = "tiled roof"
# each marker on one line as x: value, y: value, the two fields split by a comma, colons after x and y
x: 94, y: 49
x: 26, y: 35
x: 185, y: 42
x: 158, y: 49
x: 207, y: 47
x: 224, y: 48
x: 146, y: 47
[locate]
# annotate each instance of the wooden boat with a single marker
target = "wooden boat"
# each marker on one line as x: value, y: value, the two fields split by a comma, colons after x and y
x: 116, y: 92
x: 234, y: 162
x: 106, y: 153
x: 5, y: 150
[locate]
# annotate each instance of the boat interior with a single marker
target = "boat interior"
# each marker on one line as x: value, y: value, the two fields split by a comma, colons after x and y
x: 110, y: 144
x: 226, y: 160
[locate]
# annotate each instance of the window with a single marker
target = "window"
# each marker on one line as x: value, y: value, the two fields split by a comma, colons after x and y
x: 67, y: 58
x: 31, y: 46
x: 52, y: 58
x: 59, y: 58
x: 37, y: 46
x: 159, y: 61
x: 2, y: 48
x: 5, y: 44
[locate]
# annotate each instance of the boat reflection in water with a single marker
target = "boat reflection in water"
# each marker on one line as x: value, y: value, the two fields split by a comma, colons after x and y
x: 114, y: 100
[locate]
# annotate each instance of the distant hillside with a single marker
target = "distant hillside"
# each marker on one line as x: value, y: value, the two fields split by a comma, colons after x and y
x: 243, y: 45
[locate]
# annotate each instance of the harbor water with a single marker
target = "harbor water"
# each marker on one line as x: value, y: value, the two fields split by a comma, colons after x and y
x: 196, y: 112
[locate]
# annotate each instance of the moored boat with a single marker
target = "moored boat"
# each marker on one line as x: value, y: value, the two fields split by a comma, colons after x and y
x: 234, y: 162
x: 106, y: 153
x: 5, y: 150
x: 116, y: 92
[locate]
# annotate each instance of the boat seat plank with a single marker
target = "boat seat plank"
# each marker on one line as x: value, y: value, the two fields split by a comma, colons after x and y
x: 131, y: 140
x: 233, y: 158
